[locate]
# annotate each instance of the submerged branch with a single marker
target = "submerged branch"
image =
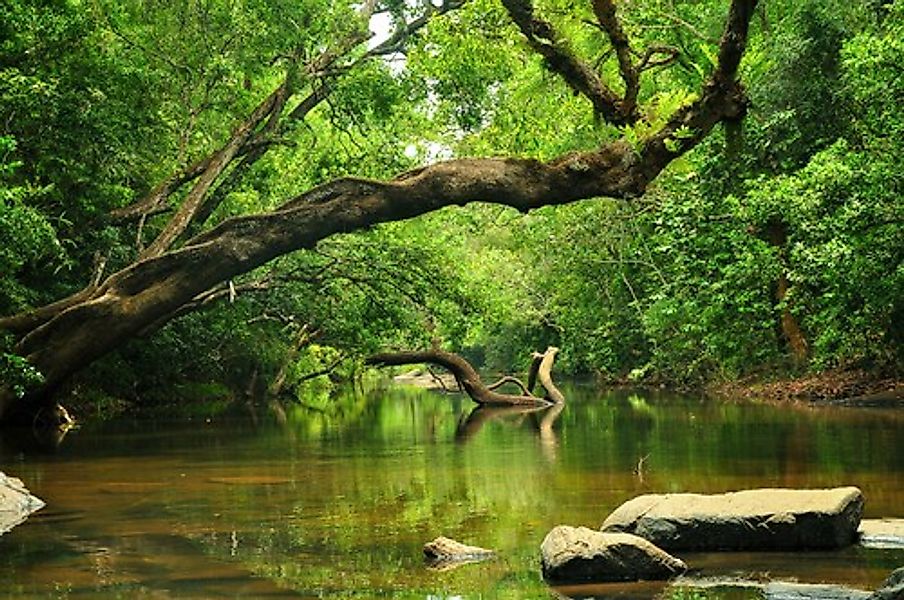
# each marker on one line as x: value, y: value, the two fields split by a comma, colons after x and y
x: 471, y: 382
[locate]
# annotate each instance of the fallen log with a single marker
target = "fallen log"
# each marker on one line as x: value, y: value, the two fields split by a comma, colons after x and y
x: 472, y: 384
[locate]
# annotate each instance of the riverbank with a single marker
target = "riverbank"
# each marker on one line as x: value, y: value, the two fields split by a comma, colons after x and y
x: 849, y: 386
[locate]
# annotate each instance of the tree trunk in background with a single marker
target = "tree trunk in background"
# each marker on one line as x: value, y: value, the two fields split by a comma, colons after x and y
x: 777, y: 234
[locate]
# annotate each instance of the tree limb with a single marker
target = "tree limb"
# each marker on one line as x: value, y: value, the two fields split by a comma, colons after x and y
x: 580, y: 77
x: 722, y: 98
x: 216, y: 164
x: 322, y: 68
x: 509, y: 379
x: 605, y: 14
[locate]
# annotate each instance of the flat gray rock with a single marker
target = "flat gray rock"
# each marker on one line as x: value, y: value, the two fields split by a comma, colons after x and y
x: 882, y: 533
x: 778, y: 590
x: 16, y: 503
x: 579, y: 554
x: 761, y: 519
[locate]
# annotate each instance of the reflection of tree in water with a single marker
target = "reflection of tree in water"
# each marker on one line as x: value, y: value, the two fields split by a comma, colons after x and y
x: 541, y: 419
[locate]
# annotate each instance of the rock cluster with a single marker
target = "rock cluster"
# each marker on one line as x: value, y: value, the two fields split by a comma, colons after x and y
x: 633, y: 540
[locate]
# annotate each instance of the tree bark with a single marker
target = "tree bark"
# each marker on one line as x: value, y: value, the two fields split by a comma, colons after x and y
x: 776, y: 233
x: 144, y: 294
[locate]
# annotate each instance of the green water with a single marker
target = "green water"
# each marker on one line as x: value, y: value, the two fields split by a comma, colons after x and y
x: 336, y: 498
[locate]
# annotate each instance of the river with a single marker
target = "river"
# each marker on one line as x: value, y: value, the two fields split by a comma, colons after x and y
x: 335, y: 497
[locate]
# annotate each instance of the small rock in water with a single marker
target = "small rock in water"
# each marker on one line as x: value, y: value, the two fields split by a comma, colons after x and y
x: 579, y: 554
x: 445, y: 551
x: 882, y: 533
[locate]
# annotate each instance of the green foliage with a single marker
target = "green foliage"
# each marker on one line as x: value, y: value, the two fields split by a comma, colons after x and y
x: 683, y: 287
x: 15, y: 372
x: 99, y: 103
x: 27, y: 239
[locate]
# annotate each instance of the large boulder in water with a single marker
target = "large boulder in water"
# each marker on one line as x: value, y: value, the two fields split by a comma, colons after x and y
x: 763, y: 519
x: 579, y: 554
x: 16, y: 503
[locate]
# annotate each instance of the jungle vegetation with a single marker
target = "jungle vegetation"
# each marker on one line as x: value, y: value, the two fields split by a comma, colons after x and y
x: 241, y: 194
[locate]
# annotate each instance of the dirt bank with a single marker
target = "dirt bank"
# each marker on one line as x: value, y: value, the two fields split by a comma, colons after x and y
x: 853, y: 386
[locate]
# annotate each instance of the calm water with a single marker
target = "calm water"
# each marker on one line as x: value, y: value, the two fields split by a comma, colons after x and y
x: 335, y: 499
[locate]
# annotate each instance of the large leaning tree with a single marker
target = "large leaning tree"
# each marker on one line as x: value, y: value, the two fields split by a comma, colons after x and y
x: 185, y: 265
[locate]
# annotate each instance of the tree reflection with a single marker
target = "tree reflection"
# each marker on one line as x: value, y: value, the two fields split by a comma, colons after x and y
x: 541, y: 419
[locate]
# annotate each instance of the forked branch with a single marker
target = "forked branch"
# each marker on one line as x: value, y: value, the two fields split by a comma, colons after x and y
x: 578, y: 75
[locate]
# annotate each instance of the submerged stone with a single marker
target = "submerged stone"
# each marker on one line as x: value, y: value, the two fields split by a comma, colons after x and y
x: 579, y: 554
x: 777, y: 590
x: 892, y: 588
x: 16, y: 503
x: 762, y: 519
x: 443, y: 553
x: 882, y: 533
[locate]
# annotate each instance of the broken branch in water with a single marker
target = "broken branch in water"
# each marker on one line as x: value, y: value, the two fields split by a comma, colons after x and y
x: 471, y: 382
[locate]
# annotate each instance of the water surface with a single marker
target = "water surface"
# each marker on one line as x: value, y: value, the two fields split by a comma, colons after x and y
x: 335, y: 498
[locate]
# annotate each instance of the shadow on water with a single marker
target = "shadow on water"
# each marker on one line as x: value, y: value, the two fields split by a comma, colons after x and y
x: 336, y: 495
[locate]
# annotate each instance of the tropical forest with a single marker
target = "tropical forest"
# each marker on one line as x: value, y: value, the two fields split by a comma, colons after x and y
x: 448, y: 299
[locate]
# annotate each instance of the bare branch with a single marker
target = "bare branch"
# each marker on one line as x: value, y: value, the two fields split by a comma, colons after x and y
x: 512, y: 380
x: 543, y: 39
x: 605, y: 14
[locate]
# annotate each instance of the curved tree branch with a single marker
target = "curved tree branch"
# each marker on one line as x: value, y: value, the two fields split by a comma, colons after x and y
x: 464, y: 373
x: 513, y: 381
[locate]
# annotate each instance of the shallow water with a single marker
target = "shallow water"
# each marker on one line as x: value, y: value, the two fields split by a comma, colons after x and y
x: 335, y: 498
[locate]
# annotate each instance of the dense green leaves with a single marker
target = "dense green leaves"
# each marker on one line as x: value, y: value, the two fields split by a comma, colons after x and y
x: 98, y: 104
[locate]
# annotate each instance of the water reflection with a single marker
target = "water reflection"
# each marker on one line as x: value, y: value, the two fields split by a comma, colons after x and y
x: 335, y: 497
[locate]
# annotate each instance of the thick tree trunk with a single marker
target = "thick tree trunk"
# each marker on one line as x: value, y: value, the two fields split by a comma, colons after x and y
x: 147, y: 293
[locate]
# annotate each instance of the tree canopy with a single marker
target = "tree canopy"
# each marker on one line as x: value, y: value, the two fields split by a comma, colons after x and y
x: 227, y: 191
